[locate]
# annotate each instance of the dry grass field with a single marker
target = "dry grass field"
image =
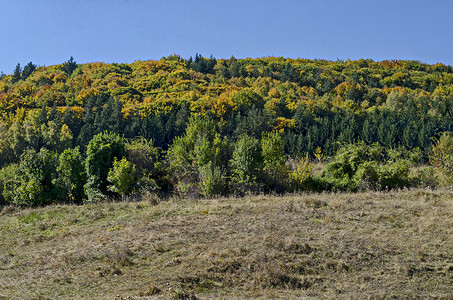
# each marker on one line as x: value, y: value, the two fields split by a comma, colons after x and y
x: 375, y: 245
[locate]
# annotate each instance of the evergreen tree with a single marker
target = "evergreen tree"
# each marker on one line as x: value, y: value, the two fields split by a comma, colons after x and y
x: 28, y: 70
x: 16, y: 74
x: 234, y: 69
x: 69, y: 66
x: 288, y: 73
x: 55, y: 115
x: 42, y: 117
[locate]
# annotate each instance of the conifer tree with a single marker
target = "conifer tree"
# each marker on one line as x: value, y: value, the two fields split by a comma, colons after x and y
x: 16, y: 74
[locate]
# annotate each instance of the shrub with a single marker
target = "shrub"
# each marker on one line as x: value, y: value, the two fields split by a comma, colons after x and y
x: 424, y: 176
x: 211, y: 180
x: 247, y: 163
x: 275, y: 171
x: 198, y: 159
x: 359, y: 167
x: 7, y: 174
x: 348, y: 159
x: 33, y: 182
x: 150, y: 173
x: 394, y: 175
x: 441, y: 156
x: 122, y: 177
x: 101, y: 152
x: 300, y: 176
x: 367, y: 176
x: 72, y: 174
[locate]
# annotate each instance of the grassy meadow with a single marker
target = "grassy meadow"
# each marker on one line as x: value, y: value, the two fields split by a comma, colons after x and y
x: 376, y: 245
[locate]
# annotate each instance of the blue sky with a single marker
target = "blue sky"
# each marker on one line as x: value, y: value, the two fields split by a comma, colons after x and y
x: 48, y: 32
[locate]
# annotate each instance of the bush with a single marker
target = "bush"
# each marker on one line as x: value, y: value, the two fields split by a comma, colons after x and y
x: 72, y: 174
x: 151, y: 175
x: 198, y: 160
x: 33, y: 182
x: 425, y: 176
x: 211, y: 180
x: 359, y: 167
x: 122, y: 177
x: 394, y: 175
x: 441, y: 156
x: 275, y: 171
x: 101, y: 152
x: 367, y: 176
x: 7, y: 174
x: 300, y: 176
x: 247, y: 164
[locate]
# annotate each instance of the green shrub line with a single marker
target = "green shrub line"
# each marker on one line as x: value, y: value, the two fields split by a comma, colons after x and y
x: 201, y: 163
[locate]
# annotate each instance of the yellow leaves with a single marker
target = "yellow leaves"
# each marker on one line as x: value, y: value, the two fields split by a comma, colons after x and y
x: 156, y: 106
x: 224, y: 105
x: 83, y: 96
x: 202, y: 105
x: 318, y: 154
x: 343, y: 88
x: 128, y: 111
x: 150, y: 67
x: 274, y: 93
x: 293, y: 105
x: 65, y: 135
x: 302, y: 171
x: 116, y: 82
x: 76, y: 110
x: 3, y: 87
x: 58, y: 77
x: 282, y: 123
x: 443, y: 90
x: 25, y: 90
x: 309, y: 91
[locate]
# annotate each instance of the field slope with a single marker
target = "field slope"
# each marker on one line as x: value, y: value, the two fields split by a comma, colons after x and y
x: 366, y: 245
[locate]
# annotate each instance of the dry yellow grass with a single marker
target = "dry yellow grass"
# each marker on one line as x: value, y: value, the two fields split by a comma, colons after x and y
x: 368, y: 245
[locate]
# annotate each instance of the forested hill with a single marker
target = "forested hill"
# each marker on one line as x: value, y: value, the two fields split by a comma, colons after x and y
x: 202, y: 126
x: 314, y: 103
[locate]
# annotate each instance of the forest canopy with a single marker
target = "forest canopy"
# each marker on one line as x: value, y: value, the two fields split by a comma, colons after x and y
x: 221, y: 110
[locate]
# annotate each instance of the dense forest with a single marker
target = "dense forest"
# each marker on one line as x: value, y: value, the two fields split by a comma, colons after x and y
x: 205, y: 127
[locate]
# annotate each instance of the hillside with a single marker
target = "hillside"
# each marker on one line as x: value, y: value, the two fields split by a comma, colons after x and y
x: 315, y: 103
x: 204, y: 127
x: 379, y: 245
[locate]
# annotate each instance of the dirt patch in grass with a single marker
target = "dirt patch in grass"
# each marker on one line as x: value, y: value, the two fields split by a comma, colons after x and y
x: 368, y: 245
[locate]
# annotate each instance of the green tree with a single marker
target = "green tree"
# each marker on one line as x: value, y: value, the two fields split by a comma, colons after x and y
x: 7, y: 174
x: 34, y: 180
x: 274, y: 160
x: 16, y: 139
x: 150, y: 172
x: 72, y: 174
x: 16, y: 74
x: 247, y: 161
x: 246, y: 99
x: 28, y: 70
x: 288, y: 73
x: 122, y: 177
x: 234, y: 69
x: 442, y: 154
x: 198, y: 159
x: 101, y: 152
x: 69, y: 66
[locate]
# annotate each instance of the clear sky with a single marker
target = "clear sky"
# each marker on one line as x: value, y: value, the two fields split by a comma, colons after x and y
x: 48, y: 32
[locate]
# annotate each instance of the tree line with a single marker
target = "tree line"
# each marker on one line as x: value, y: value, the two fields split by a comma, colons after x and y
x: 296, y: 110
